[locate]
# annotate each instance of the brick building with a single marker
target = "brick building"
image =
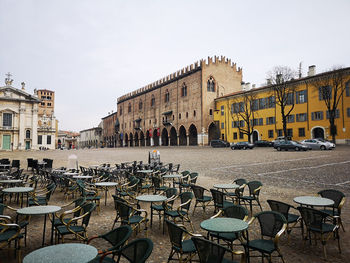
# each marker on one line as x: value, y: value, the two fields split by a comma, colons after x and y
x: 179, y: 108
x: 109, y: 135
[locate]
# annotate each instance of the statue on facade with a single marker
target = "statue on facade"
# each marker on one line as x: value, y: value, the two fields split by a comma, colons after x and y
x: 8, y: 80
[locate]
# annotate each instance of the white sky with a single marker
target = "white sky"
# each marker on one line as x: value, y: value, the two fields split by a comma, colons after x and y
x: 91, y: 52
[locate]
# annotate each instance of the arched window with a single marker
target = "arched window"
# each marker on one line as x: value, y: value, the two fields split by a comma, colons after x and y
x: 140, y: 105
x: 153, y: 101
x: 179, y: 116
x: 121, y: 110
x: 129, y: 107
x: 167, y: 96
x: 184, y: 90
x: 27, y: 134
x: 211, y: 84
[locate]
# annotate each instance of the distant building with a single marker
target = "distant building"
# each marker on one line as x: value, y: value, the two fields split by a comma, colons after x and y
x: 67, y: 140
x: 109, y: 129
x: 178, y: 109
x: 91, y: 138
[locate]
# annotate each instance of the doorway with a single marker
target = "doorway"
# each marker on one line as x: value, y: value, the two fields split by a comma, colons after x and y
x: 6, y: 142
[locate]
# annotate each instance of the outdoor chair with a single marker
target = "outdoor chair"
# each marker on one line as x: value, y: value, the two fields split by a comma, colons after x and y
x: 182, y: 211
x: 116, y: 238
x: 219, y: 200
x: 157, y: 184
x: 10, y: 232
x: 315, y: 222
x: 234, y: 211
x: 181, y: 244
x: 238, y: 191
x: 272, y: 225
x: 129, y: 189
x: 42, y: 198
x: 76, y: 226
x: 210, y: 252
x: 137, y: 251
x: 201, y: 199
x: 76, y: 211
x: 15, y: 164
x: 184, y: 176
x: 254, y: 192
x: 90, y: 193
x: 29, y: 163
x: 339, y: 200
x: 283, y: 208
x: 158, y: 209
x: 187, y: 181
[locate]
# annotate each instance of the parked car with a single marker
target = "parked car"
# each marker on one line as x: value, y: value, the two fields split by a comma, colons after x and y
x: 318, y: 144
x: 242, y: 145
x: 263, y: 143
x: 281, y: 138
x: 290, y: 145
x: 219, y: 143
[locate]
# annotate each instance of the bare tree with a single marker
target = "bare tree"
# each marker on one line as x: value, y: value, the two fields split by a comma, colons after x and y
x: 243, y: 110
x: 331, y: 87
x: 280, y: 77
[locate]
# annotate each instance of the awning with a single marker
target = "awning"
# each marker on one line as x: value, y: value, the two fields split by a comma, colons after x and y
x: 167, y: 112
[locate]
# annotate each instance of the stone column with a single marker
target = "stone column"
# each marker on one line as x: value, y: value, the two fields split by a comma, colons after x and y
x: 21, y: 126
x: 35, y: 127
x: 188, y: 140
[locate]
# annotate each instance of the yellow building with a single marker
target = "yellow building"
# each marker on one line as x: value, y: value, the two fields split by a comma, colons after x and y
x: 308, y: 119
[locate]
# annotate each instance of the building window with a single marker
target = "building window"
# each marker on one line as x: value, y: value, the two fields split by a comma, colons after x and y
x: 48, y: 139
x: 194, y: 113
x: 271, y: 101
x: 184, y: 90
x: 301, y: 96
x: 336, y: 114
x: 211, y: 84
x: 270, y: 120
x: 222, y: 110
x: 140, y: 105
x: 235, y: 124
x: 241, y: 135
x: 348, y: 112
x: 49, y: 104
x: 241, y: 123
x: 254, y: 105
x: 290, y: 132
x: 7, y: 119
x: 222, y: 125
x: 235, y: 135
x: 129, y: 108
x: 186, y: 114
x: 262, y: 103
x: 27, y: 134
x: 270, y: 133
x: 347, y: 89
x: 234, y: 108
x: 173, y: 117
x: 120, y: 110
x: 210, y: 112
x: 290, y: 118
x: 301, y: 117
x: 317, y: 115
x: 167, y: 96
x: 179, y: 116
x: 153, y: 101
x: 290, y: 99
x: 40, y: 139
x: 241, y: 107
x: 325, y: 93
x: 279, y: 132
x: 301, y: 132
x: 261, y: 121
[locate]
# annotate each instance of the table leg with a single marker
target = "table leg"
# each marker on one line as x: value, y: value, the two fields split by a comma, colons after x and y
x: 44, y: 231
x: 151, y: 215
x: 52, y: 228
x: 106, y: 196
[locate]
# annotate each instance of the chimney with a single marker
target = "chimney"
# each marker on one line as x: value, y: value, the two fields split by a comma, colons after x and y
x: 312, y: 71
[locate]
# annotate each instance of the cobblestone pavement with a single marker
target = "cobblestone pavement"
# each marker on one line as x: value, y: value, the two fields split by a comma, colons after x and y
x: 284, y: 175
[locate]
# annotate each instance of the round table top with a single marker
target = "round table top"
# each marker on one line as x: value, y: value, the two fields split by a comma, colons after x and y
x: 226, y: 186
x: 313, y: 201
x: 39, y: 210
x: 82, y: 176
x: 106, y: 184
x: 67, y: 253
x: 5, y: 165
x: 151, y: 198
x: 172, y: 176
x: 71, y: 174
x: 145, y: 171
x: 11, y: 181
x: 18, y: 190
x: 59, y: 171
x: 224, y: 225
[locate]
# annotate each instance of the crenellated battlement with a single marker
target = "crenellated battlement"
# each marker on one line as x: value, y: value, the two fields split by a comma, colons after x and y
x: 211, y: 61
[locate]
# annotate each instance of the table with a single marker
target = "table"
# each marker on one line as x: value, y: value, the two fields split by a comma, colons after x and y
x: 226, y: 186
x: 82, y: 176
x: 151, y: 199
x: 106, y: 185
x: 5, y: 166
x: 62, y: 253
x: 145, y: 171
x: 11, y: 181
x: 71, y: 174
x: 172, y: 176
x: 313, y: 201
x: 59, y: 171
x: 224, y: 225
x: 41, y: 210
x: 19, y: 190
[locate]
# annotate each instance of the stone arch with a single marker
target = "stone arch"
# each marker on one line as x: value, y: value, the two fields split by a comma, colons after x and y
x: 136, y: 136
x: 121, y: 140
x: 182, y: 136
x: 126, y: 139
x: 192, y: 135
x: 142, y: 139
x: 173, y: 136
x: 131, y: 139
x: 155, y: 137
x: 148, y: 139
x: 213, y: 132
x: 255, y: 136
x: 318, y: 132
x: 165, y: 137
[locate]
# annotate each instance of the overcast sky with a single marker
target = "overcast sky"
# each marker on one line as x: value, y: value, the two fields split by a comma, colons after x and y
x: 91, y: 52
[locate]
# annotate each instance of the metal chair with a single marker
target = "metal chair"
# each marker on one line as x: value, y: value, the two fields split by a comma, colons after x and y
x: 156, y: 209
x: 254, y: 192
x: 137, y: 251
x: 219, y: 200
x: 201, y: 199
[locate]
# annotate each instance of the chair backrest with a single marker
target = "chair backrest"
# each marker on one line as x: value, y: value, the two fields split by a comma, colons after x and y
x: 79, y: 202
x: 118, y: 236
x: 184, y: 173
x: 271, y: 222
x: 193, y: 178
x: 175, y: 233
x: 138, y: 250
x: 334, y: 195
x: 279, y: 206
x: 123, y: 209
x: 208, y: 251
x: 170, y: 192
x: 253, y: 185
x: 240, y: 181
x: 184, y: 197
x: 88, y: 208
x: 15, y: 163
x: 218, y: 197
x: 30, y: 162
x: 198, y: 191
x: 156, y: 181
x: 312, y: 218
x: 236, y: 211
x: 2, y: 208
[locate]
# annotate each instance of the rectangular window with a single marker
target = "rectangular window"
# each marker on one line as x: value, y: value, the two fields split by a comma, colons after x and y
x: 347, y: 89
x: 301, y: 132
x: 222, y: 125
x: 222, y: 110
x: 301, y: 117
x: 241, y: 107
x: 261, y: 122
x: 270, y: 120
x: 235, y: 135
x: 290, y: 132
x: 317, y: 115
x: 254, y: 105
x: 40, y: 139
x: 325, y: 93
x: 290, y: 98
x: 290, y: 118
x: 48, y: 139
x: 271, y: 101
x: 262, y: 103
x: 301, y: 96
x: 241, y: 135
x: 336, y: 115
x: 348, y: 112
x: 7, y: 120
x: 270, y: 133
x: 241, y: 123
x: 279, y: 133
